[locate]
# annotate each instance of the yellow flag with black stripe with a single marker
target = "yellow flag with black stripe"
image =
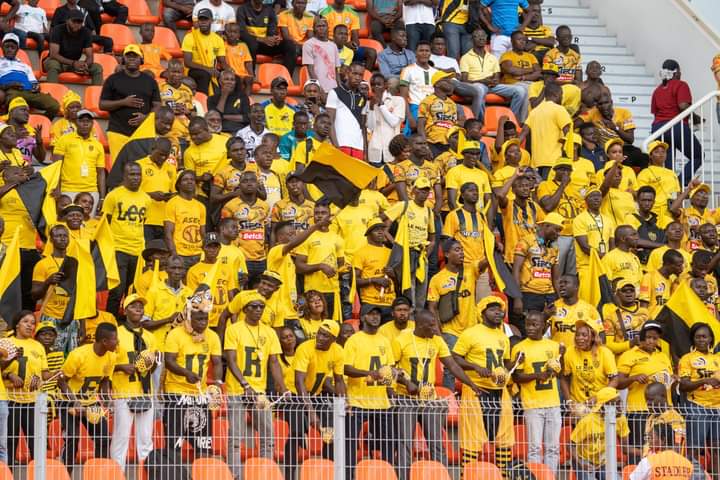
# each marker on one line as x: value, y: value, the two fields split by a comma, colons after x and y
x: 78, y: 271
x: 102, y: 247
x: 504, y: 281
x: 10, y: 285
x: 595, y: 287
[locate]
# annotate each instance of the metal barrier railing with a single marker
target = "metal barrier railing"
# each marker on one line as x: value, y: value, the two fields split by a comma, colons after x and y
x: 324, y: 437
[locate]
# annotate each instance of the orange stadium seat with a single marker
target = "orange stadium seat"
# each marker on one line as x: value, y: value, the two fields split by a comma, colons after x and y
x: 626, y: 471
x: 168, y: 39
x: 359, y: 5
x: 428, y: 470
x: 5, y: 472
x: 493, y: 99
x: 41, y: 120
x: 92, y: 100
x: 364, y: 31
x: 54, y: 470
x: 220, y: 436
x: 493, y: 114
x: 370, y: 43
x: 281, y: 431
x: 467, y: 111
x: 261, y: 469
x: 269, y: 71
x: 481, y: 471
x: 451, y: 448
x: 202, y: 98
x: 520, y: 448
x: 541, y: 471
x: 374, y: 470
x: 453, y: 406
x: 24, y: 58
x: 108, y: 63
x: 97, y: 468
x: 55, y: 90
x: 121, y: 34
x: 317, y: 469
x: 49, y: 6
x: 210, y: 469
x: 139, y: 12
x: 303, y: 76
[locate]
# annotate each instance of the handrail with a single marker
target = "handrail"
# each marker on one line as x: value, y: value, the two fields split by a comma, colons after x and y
x: 684, y: 114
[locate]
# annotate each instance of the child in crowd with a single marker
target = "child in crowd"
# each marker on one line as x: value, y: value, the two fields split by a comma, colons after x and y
x: 31, y: 22
x: 238, y: 58
x: 153, y: 54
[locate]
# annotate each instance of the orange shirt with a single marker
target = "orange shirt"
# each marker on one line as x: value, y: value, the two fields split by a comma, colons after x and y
x: 152, y: 55
x: 236, y: 56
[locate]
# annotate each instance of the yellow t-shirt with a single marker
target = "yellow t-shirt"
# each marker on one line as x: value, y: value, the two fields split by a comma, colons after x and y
x: 127, y: 211
x: 562, y: 324
x: 284, y: 266
x: 157, y: 179
x: 298, y: 29
x: 421, y: 221
x: 625, y: 265
x: 227, y: 179
x: 253, y: 346
x: 205, y: 49
x: 91, y: 324
x: 440, y: 115
x: 445, y: 282
x: 589, y: 437
x: 628, y: 179
x: 15, y: 214
x: 537, y: 394
x: 278, y: 120
x: 367, y: 352
x: 347, y: 223
x: 486, y: 347
x: 207, y: 157
x: 618, y: 204
x: 274, y: 181
x: 416, y: 356
x: 85, y: 370
x: 406, y: 171
x: 479, y: 68
x: 310, y: 327
x: 81, y: 159
x: 637, y: 361
x: 598, y: 229
x: 655, y: 259
x: 590, y: 371
x: 170, y: 97
x: 142, y: 284
x: 33, y: 362
x: 57, y: 300
x: 195, y: 357
x: 124, y: 385
x: 237, y: 56
x: 317, y: 365
x: 374, y: 200
x: 467, y: 228
x: 225, y: 282
x: 251, y: 220
x: 567, y: 63
x: 692, y: 218
x: 60, y: 127
x: 301, y: 216
x: 233, y: 256
x: 348, y: 17
x: 322, y: 247
x: 371, y: 261
x: 695, y: 366
x: 569, y: 206
x: 542, y: 31
x: 519, y: 223
x: 632, y: 321
x: 188, y: 216
x: 269, y: 317
x: 519, y: 60
x: 163, y: 302
x: 655, y: 289
x: 536, y: 271
x: 666, y: 185
x: 547, y: 122
x: 391, y: 331
x: 153, y: 55
x: 461, y: 174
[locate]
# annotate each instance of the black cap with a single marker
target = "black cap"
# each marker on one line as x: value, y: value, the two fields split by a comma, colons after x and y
x: 211, y: 238
x: 72, y: 208
x: 205, y: 13
x: 154, y: 246
x: 367, y: 308
x: 76, y: 15
x: 277, y: 81
x: 401, y: 300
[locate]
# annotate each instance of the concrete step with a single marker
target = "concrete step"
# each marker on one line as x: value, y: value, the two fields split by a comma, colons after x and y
x: 560, y: 3
x: 579, y: 30
x: 588, y: 40
x: 617, y: 69
x: 622, y: 90
x: 606, y: 60
x: 632, y: 99
x: 611, y: 77
x: 573, y: 22
x: 569, y: 11
x: 604, y: 50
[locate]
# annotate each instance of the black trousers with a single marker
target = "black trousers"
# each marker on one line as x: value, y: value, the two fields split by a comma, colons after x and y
x: 126, y: 268
x: 202, y: 79
x: 99, y: 433
x: 188, y: 418
x: 28, y: 259
x: 21, y: 418
x: 286, y: 49
x: 380, y: 435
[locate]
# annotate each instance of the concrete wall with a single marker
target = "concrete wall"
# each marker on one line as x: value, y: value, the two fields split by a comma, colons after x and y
x: 655, y: 30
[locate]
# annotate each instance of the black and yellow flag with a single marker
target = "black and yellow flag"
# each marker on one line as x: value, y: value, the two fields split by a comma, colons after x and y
x: 595, y: 286
x: 504, y: 281
x: 339, y: 176
x: 679, y: 314
x: 10, y: 285
x: 138, y: 146
x: 102, y: 248
x: 78, y: 271
x: 36, y: 195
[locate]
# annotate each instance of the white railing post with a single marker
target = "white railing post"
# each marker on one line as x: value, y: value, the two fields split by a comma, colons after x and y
x: 611, y: 463
x: 41, y: 435
x: 339, y: 413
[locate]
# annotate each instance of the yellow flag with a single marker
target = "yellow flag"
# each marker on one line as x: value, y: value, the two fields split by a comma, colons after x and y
x: 81, y: 284
x: 103, y: 250
x: 10, y: 287
x: 594, y: 282
x: 683, y: 310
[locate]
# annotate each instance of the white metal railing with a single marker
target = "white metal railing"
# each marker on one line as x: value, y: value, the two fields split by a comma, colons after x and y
x: 693, y: 140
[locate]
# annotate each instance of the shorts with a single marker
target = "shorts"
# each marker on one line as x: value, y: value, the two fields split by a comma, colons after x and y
x: 485, y: 419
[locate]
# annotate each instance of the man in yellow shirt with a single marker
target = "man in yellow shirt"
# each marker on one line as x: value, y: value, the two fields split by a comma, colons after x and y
x: 372, y: 276
x: 592, y: 230
x: 624, y: 320
x: 567, y: 59
x: 470, y: 170
x: 657, y: 285
x: 621, y: 261
x: 400, y: 321
x: 548, y: 125
x: 696, y: 214
x: 206, y: 155
x: 278, y: 113
x: 518, y: 65
x: 83, y: 160
x: 184, y: 221
x: 251, y: 351
x: 204, y: 52
x: 126, y: 210
x: 568, y: 309
x: 611, y: 122
x: 419, y: 164
x: 159, y: 183
x: 437, y: 113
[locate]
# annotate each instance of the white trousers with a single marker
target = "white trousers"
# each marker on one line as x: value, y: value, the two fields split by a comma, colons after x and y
x: 122, y: 426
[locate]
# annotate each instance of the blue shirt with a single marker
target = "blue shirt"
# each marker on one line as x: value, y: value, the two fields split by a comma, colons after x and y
x: 392, y: 62
x: 288, y: 142
x: 505, y: 14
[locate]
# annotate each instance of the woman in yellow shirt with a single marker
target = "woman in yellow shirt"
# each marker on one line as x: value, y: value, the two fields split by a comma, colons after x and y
x: 9, y: 154
x: 288, y: 343
x: 71, y: 104
x: 314, y: 313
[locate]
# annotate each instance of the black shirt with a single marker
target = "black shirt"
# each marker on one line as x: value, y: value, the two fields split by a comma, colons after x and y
x: 120, y: 85
x: 62, y: 13
x: 71, y: 45
x: 258, y: 24
x: 234, y: 105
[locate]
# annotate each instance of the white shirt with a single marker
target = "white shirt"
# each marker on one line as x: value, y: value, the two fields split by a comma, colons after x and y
x: 313, y: 6
x: 31, y: 19
x: 413, y: 14
x: 252, y: 140
x: 222, y: 14
x: 420, y: 82
x: 347, y: 128
x: 384, y: 122
x: 443, y: 62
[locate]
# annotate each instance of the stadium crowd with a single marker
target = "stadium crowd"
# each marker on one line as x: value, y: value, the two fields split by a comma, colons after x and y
x: 468, y: 219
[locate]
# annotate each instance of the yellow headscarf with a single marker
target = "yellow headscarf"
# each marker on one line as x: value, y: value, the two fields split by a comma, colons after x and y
x: 70, y: 97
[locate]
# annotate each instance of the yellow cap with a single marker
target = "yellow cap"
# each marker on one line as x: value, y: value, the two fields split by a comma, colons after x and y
x: 69, y: 98
x: 17, y: 102
x: 624, y: 282
x: 596, y: 325
x: 372, y: 224
x: 440, y: 75
x: 613, y: 141
x: 45, y: 324
x: 422, y: 182
x: 603, y: 396
x: 483, y: 304
x: 133, y: 48
x: 452, y: 131
x: 657, y: 143
x: 271, y: 275
x: 550, y: 67
x: 249, y: 296
x: 130, y: 299
x: 553, y: 218
x: 702, y: 186
x: 331, y: 326
x: 592, y: 189
x: 563, y: 162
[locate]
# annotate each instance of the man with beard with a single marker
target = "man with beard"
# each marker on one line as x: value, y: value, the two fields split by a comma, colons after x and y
x: 621, y: 261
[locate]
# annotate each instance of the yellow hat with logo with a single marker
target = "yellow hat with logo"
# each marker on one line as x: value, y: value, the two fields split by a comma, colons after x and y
x: 624, y: 282
x: 483, y: 304
x: 133, y: 48
x: 422, y: 182
x: 592, y: 189
x: 249, y: 296
x: 595, y: 325
x: 373, y: 224
x: 331, y: 326
x: 657, y: 143
x: 553, y: 218
x: 43, y: 325
x: 272, y: 276
x: 130, y: 299
x: 16, y: 103
x: 563, y: 162
x: 701, y: 187
x: 611, y: 142
x: 440, y: 75
x: 603, y: 396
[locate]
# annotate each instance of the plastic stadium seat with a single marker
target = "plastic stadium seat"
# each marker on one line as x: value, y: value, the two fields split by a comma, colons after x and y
x: 49, y: 6
x: 261, y: 469
x: 202, y: 98
x: 420, y: 444
x: 281, y: 431
x: 439, y: 371
x: 493, y: 99
x: 565, y: 433
x: 428, y: 470
x: 314, y: 442
x: 168, y: 39
x: 54, y: 470
x: 263, y: 59
x: 481, y: 471
x: 370, y: 43
x: 453, y: 406
x: 374, y: 470
x: 452, y: 449
x: 55, y: 90
x: 139, y: 12
x: 269, y: 71
x: 364, y: 31
x: 106, y: 468
x: 520, y: 448
x: 541, y: 471
x: 303, y: 76
x: 626, y: 471
x: 108, y: 63
x: 317, y: 469
x: 359, y: 5
x: 92, y: 100
x: 23, y: 56
x: 220, y: 436
x: 121, y: 34
x: 5, y: 473
x: 210, y: 469
x: 468, y: 112
x: 493, y: 114
x: 36, y: 120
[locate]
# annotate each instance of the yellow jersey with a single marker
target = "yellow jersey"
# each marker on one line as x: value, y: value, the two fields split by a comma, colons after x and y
x: 391, y: 331
x: 637, y: 361
x: 570, y: 205
x: 519, y: 223
x: 252, y: 220
x: 467, y: 228
x: 371, y: 260
x: 124, y: 385
x: 461, y: 174
x: 440, y: 115
x: 589, y: 437
x: 347, y: 16
x: 253, y: 346
x: 537, y: 267
x: 567, y: 63
x: 284, y: 266
x: 589, y: 371
x: 205, y: 49
x: 57, y: 299
x: 317, y: 365
x: 666, y: 185
x: 207, y: 157
x: 617, y: 204
x: 445, y: 282
x: 486, y: 347
x: 81, y: 159
x: 279, y: 120
x: 298, y: 28
x: 618, y: 335
x: 625, y: 265
x: 519, y: 60
x: 562, y: 324
x: 697, y: 366
x: 416, y: 357
x: 547, y: 123
x: 191, y: 355
x: 126, y: 211
x: 188, y: 216
x: 367, y: 352
x: 225, y: 282
x: 162, y: 302
x: 301, y: 215
x: 237, y: 56
x: 598, y: 229
x: 347, y: 223
x: 227, y: 179
x: 322, y: 247
x: 157, y: 179
x: 85, y: 371
x: 655, y: 289
x: 407, y: 171
x: 32, y: 363
x: 15, y: 214
x: 536, y: 353
x: 91, y: 324
x: 655, y: 259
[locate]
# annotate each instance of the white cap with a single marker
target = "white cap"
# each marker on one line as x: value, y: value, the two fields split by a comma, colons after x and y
x: 11, y: 37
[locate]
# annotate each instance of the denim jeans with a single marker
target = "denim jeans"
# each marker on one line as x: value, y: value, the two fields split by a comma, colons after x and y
x: 517, y: 94
x: 543, y: 431
x: 4, y: 414
x: 449, y: 378
x: 458, y: 39
x: 417, y: 32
